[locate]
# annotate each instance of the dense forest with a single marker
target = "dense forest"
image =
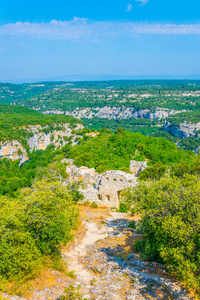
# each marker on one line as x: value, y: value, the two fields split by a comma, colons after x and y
x: 110, y: 150
x: 144, y: 126
x: 9, y: 93
x: 146, y: 94
x: 192, y: 117
x: 138, y: 97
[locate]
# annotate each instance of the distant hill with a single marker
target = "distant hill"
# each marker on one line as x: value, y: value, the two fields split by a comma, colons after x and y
x: 95, y: 77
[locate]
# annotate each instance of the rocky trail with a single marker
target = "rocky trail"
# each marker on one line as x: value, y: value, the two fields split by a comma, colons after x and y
x: 105, y: 265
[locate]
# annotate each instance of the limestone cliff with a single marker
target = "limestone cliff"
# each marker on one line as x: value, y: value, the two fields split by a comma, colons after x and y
x: 183, y: 130
x: 38, y: 141
x: 13, y: 150
x: 117, y: 113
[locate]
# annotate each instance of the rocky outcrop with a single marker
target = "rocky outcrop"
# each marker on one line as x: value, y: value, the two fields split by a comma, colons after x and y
x: 38, y: 141
x: 13, y: 150
x: 183, y: 130
x: 117, y: 113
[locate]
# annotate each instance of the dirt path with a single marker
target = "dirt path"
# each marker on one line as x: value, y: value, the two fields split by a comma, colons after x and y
x: 104, y: 264
x: 106, y: 268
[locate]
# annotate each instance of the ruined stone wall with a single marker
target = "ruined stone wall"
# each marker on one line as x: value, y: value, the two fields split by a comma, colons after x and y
x: 104, y: 189
x: 110, y: 184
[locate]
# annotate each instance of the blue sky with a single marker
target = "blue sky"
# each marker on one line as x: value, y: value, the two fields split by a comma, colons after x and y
x: 40, y: 39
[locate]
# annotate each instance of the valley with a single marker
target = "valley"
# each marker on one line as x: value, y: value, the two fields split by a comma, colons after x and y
x: 162, y: 108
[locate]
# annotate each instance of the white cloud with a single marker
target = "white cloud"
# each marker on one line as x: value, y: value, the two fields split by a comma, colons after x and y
x: 143, y: 2
x: 81, y: 28
x: 129, y: 7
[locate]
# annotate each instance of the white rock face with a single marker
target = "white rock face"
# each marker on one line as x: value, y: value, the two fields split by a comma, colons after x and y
x: 39, y: 141
x: 117, y: 113
x: 13, y: 150
x: 183, y: 131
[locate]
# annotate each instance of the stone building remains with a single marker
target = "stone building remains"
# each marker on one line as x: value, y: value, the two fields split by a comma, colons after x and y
x: 137, y: 166
x: 104, y: 189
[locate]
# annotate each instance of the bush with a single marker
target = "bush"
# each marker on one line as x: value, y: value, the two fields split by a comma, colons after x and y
x: 20, y: 258
x: 94, y: 205
x: 34, y: 226
x: 153, y: 173
x: 132, y: 224
x: 19, y: 254
x: 50, y: 215
x: 71, y: 293
x: 123, y: 208
x: 170, y: 210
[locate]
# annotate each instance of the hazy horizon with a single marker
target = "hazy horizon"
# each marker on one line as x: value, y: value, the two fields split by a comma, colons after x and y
x: 93, y: 77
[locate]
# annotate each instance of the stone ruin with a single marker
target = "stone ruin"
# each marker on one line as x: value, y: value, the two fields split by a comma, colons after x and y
x: 137, y: 166
x: 104, y: 189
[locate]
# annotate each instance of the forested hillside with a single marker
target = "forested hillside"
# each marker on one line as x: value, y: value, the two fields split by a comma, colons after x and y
x: 14, y: 117
x: 109, y: 150
x: 14, y: 122
x: 138, y: 106
x: 29, y: 244
x: 10, y: 93
x: 138, y: 95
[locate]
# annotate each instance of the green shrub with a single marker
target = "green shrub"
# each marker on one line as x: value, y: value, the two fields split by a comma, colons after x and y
x: 132, y: 224
x: 71, y: 293
x: 123, y: 208
x: 50, y: 215
x: 154, y: 172
x: 94, y: 205
x: 20, y: 257
x: 170, y: 210
x: 33, y: 226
